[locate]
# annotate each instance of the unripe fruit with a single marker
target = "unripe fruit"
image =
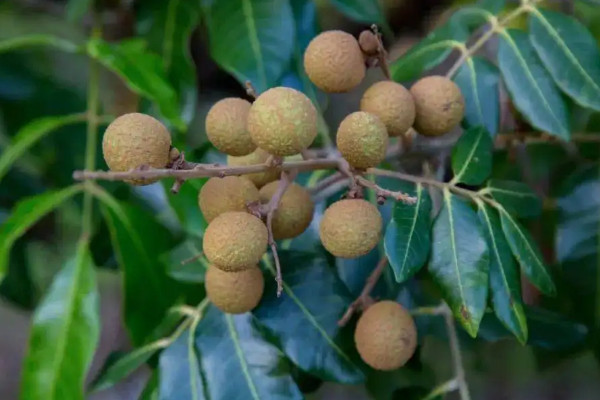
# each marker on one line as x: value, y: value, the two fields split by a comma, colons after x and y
x: 350, y: 228
x: 258, y: 156
x: 362, y: 140
x: 135, y: 140
x: 231, y: 193
x: 392, y: 103
x: 294, y: 213
x: 226, y: 126
x: 368, y: 43
x: 439, y: 104
x: 234, y: 292
x: 235, y: 241
x: 334, y: 62
x: 282, y: 121
x: 386, y: 336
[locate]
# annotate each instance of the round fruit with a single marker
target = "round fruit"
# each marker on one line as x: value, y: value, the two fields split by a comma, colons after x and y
x: 362, y: 140
x: 258, y: 156
x: 386, y: 336
x: 350, y: 228
x: 334, y: 62
x: 231, y: 193
x: 234, y: 292
x: 135, y: 140
x: 439, y: 104
x: 226, y: 126
x: 368, y: 43
x: 235, y: 241
x: 392, y: 103
x: 294, y: 213
x: 282, y: 121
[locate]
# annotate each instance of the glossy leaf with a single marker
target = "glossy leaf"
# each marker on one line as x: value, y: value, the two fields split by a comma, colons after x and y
x: 251, y: 39
x: 531, y: 88
x: 64, y: 334
x: 238, y: 363
x: 36, y: 40
x: 459, y: 261
x: 306, y: 316
x: 368, y: 12
x: 515, y: 197
x: 478, y: 80
x: 505, y: 281
x: 25, y: 214
x: 472, y: 157
x: 185, y: 262
x: 185, y: 206
x: 407, y: 236
x: 569, y: 52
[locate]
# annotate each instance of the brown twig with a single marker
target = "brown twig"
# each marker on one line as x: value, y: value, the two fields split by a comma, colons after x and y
x: 326, y: 182
x: 250, y: 91
x: 354, y: 189
x: 381, y: 53
x: 379, y: 191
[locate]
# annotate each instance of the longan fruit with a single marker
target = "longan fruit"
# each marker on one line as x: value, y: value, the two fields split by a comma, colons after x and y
x: 392, y: 103
x: 334, y: 62
x: 226, y: 126
x: 231, y: 193
x: 294, y: 213
x: 439, y: 104
x: 350, y: 228
x: 258, y: 156
x: 368, y: 43
x: 234, y: 292
x: 135, y: 140
x: 362, y: 140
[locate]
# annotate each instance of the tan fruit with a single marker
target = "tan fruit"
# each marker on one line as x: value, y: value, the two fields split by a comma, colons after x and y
x: 235, y: 241
x: 135, y: 140
x: 258, y: 156
x: 392, y: 103
x: 362, y: 140
x: 234, y: 292
x: 231, y: 193
x: 350, y: 228
x: 226, y: 126
x: 294, y: 213
x: 368, y: 43
x: 334, y: 62
x: 439, y: 104
x: 282, y: 121
x: 386, y: 336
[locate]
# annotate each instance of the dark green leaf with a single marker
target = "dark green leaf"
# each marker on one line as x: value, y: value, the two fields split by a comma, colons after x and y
x: 530, y: 86
x: 185, y: 262
x: 493, y: 6
x: 185, y: 205
x: 407, y: 237
x: 459, y: 261
x: 65, y: 331
x: 472, y: 157
x: 251, y: 39
x: 478, y: 80
x: 527, y: 253
x: 306, y: 316
x: 238, y: 363
x: 38, y: 40
x: 368, y: 12
x: 77, y: 9
x: 505, y: 281
x: 25, y: 214
x: 150, y: 391
x: 515, y: 197
x: 569, y: 52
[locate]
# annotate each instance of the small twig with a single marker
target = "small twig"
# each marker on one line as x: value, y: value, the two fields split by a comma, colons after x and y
x: 191, y: 259
x: 459, y: 370
x: 381, y: 53
x: 326, y: 182
x: 379, y: 191
x: 354, y: 190
x: 250, y: 91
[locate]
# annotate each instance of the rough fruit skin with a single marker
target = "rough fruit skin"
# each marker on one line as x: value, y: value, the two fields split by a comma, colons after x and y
x: 282, y: 121
x: 350, y: 228
x: 231, y: 193
x: 226, y: 126
x: 234, y: 292
x: 386, y: 336
x: 439, y: 104
x: 294, y: 213
x: 362, y: 140
x: 392, y: 103
x: 235, y: 241
x: 135, y: 140
x: 334, y: 62
x: 258, y: 156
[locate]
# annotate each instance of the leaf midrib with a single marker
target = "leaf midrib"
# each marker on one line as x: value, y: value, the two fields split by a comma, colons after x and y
x: 469, y: 157
x: 417, y: 208
x: 447, y: 200
x: 240, y: 354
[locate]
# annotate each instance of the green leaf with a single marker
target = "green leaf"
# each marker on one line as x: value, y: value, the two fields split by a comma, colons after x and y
x: 142, y: 71
x: 150, y: 391
x: 238, y: 363
x: 185, y: 206
x: 478, y: 80
x: 185, y: 263
x: 493, y: 6
x: 31, y: 133
x: 472, y: 157
x: 569, y: 52
x: 306, y: 315
x: 25, y: 214
x: 505, y: 281
x: 251, y: 39
x: 77, y: 9
x: 459, y: 261
x: 65, y: 332
x: 368, y: 12
x: 407, y: 237
x: 36, y: 40
x: 515, y: 197
x: 530, y: 86
x: 527, y: 253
